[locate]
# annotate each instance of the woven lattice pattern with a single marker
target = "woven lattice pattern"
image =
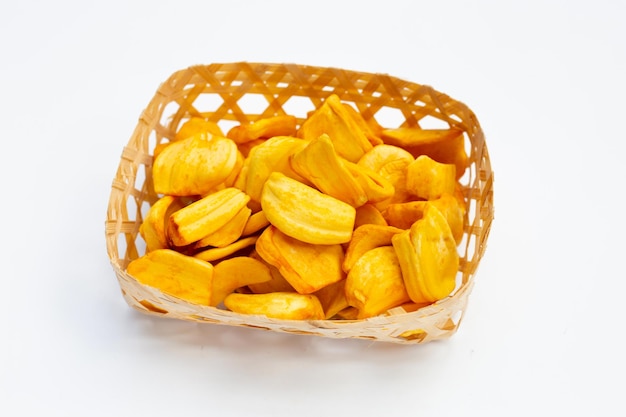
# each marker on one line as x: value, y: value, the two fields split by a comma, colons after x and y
x: 242, y: 92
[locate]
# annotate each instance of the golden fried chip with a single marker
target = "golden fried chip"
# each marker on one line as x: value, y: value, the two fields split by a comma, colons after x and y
x: 205, y: 216
x: 446, y: 146
x: 215, y: 254
x: 333, y: 119
x: 429, y: 179
x: 307, y: 267
x: 283, y: 125
x: 304, y: 213
x: 278, y: 305
x: 153, y: 227
x: 374, y: 284
x: 228, y: 233
x: 256, y: 222
x: 234, y: 273
x: 326, y: 170
x: 366, y: 238
x: 332, y: 298
x: 368, y: 214
x: 197, y: 125
x: 175, y: 274
x: 390, y: 162
x: 428, y: 257
x: 193, y: 166
x: 270, y: 156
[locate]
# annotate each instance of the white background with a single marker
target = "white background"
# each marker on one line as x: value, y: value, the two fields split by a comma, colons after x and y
x: 542, y: 333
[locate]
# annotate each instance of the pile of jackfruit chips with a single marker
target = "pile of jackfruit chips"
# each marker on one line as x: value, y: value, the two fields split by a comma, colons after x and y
x: 338, y: 218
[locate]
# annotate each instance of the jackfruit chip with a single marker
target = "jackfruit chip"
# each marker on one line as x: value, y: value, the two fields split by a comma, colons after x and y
x: 332, y: 298
x: 270, y: 156
x: 374, y: 284
x: 429, y: 179
x: 305, y: 213
x: 376, y: 187
x: 215, y: 254
x: 193, y: 166
x: 153, y: 227
x: 228, y: 233
x: 283, y: 125
x: 446, y: 146
x: 323, y: 167
x: 333, y: 119
x: 370, y: 128
x: 255, y: 223
x: 403, y: 215
x: 205, y: 216
x: 368, y: 214
x: 278, y: 283
x: 278, y: 305
x: 197, y: 125
x: 234, y: 273
x: 366, y: 238
x: 175, y: 274
x: 307, y: 267
x: 390, y: 162
x: 428, y: 257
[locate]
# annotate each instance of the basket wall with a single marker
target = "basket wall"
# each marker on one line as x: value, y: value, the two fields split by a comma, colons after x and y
x: 242, y: 92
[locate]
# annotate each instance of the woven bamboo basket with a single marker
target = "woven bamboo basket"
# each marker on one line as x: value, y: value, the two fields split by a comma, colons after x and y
x: 242, y: 92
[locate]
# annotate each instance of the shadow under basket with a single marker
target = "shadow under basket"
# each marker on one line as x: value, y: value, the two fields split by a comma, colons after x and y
x: 243, y: 92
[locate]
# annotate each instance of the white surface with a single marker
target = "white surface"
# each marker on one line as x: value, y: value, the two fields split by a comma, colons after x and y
x: 542, y: 332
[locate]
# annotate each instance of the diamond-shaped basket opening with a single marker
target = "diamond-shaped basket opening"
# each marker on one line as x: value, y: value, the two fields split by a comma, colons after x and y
x: 206, y: 103
x: 233, y: 93
x: 390, y: 117
x: 432, y: 122
x: 297, y: 106
x: 253, y: 104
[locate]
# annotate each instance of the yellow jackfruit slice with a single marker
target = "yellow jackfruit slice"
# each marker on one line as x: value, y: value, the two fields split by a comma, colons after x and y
x: 333, y: 298
x: 374, y: 284
x: 428, y: 257
x: 234, y: 173
x: 333, y: 119
x: 321, y: 165
x: 214, y: 254
x: 390, y: 162
x: 278, y: 283
x: 197, y: 125
x: 376, y: 187
x: 193, y: 166
x: 228, y: 233
x: 366, y: 238
x: 377, y: 158
x: 454, y: 212
x: 278, y: 305
x: 255, y: 223
x: 370, y: 128
x: 175, y: 274
x: 205, y: 216
x: 368, y: 214
x: 268, y: 127
x: 446, y: 146
x: 246, y: 148
x: 429, y: 179
x: 153, y: 227
x: 307, y: 267
x: 268, y: 157
x: 234, y: 273
x: 305, y: 213
x: 403, y: 215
